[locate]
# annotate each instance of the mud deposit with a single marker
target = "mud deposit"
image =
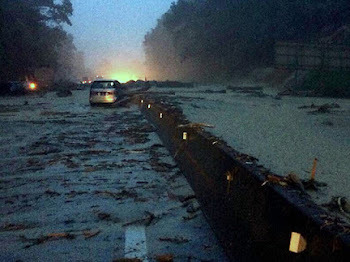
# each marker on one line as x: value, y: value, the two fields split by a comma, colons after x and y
x: 75, y: 179
x: 284, y: 134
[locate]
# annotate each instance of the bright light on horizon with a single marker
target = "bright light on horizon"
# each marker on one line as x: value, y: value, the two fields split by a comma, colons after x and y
x: 124, y: 77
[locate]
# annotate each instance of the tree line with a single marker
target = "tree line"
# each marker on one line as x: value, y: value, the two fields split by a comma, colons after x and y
x: 213, y: 39
x: 32, y: 37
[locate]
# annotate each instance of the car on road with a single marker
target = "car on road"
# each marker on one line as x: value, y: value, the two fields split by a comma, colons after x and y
x: 17, y: 87
x: 105, y: 92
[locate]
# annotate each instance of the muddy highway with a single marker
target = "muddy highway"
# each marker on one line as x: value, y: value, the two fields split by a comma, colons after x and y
x: 81, y: 183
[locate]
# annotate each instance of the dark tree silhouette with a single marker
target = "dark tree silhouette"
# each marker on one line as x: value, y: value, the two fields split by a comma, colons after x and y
x: 31, y: 35
x: 212, y: 39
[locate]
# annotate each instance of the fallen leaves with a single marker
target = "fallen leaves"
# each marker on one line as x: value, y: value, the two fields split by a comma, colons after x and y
x: 74, y: 193
x: 46, y: 238
x: 118, y: 195
x: 190, y: 217
x: 13, y: 227
x: 90, y: 234
x: 104, y: 216
x: 51, y: 193
x: 290, y: 179
x: 59, y: 184
x: 147, y: 220
x: 87, y: 234
x: 127, y: 260
x: 176, y: 240
x: 196, y: 125
x: 325, y: 108
x: 60, y: 235
x: 90, y: 169
x: 186, y: 198
x: 94, y: 152
x: 164, y: 258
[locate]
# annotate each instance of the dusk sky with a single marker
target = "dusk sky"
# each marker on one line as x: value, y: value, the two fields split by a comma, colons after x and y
x: 111, y: 32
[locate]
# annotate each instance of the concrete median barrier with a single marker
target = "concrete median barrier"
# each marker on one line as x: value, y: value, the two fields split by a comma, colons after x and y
x: 254, y: 213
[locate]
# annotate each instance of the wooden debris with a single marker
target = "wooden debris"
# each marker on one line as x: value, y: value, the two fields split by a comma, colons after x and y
x: 290, y: 180
x: 192, y: 208
x: 52, y: 193
x: 147, y: 220
x: 339, y: 203
x: 135, y: 151
x: 196, y: 125
x: 325, y: 108
x: 69, y: 221
x: 275, y: 180
x: 59, y: 235
x: 332, y: 105
x: 90, y: 234
x: 176, y: 240
x: 313, y: 185
x: 209, y: 91
x: 127, y: 260
x: 186, y: 198
x: 74, y: 193
x: 46, y: 238
x: 335, y: 223
x: 344, y: 204
x: 190, y: 216
x: 244, y: 88
x: 13, y: 227
x: 104, y: 216
x: 90, y: 169
x: 313, y: 172
x: 164, y: 258
x: 294, y: 180
x: 142, y: 182
x: 118, y: 195
x: 171, y: 195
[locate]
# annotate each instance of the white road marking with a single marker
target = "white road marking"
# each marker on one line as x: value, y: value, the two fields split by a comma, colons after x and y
x: 135, y: 243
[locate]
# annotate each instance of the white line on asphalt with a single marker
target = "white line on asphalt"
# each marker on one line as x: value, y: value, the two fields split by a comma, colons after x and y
x: 135, y: 243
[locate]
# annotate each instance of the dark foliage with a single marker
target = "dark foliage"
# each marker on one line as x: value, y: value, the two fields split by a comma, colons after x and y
x: 31, y: 34
x: 212, y: 39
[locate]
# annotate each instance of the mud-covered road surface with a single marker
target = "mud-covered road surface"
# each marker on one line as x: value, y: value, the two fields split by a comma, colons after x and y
x: 92, y: 184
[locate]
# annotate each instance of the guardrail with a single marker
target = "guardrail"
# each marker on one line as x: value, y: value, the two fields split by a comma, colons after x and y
x: 255, y: 220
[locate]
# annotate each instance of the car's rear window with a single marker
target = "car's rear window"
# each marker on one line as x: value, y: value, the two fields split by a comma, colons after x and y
x: 103, y: 84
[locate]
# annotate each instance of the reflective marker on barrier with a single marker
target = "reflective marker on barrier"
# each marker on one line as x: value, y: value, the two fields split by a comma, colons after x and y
x: 297, y: 243
x: 161, y: 115
x: 141, y: 101
x: 149, y: 106
x: 184, y: 135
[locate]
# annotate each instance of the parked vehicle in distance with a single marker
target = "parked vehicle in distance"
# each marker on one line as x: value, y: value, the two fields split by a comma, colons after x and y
x: 30, y: 86
x: 85, y: 80
x: 17, y: 87
x: 105, y: 92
